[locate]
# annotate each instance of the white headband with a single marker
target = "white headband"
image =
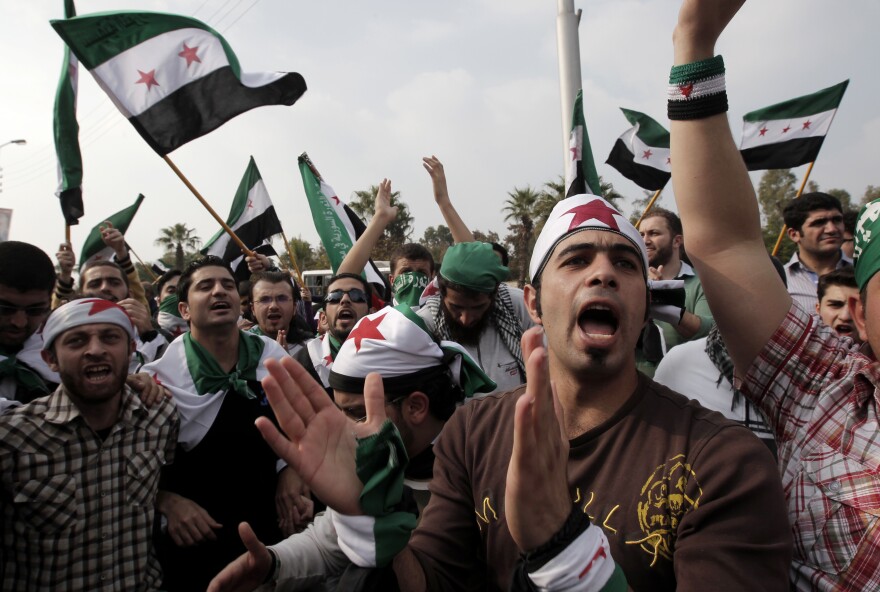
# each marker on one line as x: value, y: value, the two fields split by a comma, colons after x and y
x: 86, y: 311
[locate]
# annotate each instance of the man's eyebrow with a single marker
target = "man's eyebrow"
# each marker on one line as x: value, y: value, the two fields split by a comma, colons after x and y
x: 614, y: 248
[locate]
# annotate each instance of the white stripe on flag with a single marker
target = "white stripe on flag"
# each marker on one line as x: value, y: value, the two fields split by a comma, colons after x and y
x: 761, y: 133
x: 643, y: 154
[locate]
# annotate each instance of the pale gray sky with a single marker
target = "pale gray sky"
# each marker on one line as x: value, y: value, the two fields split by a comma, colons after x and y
x: 474, y: 82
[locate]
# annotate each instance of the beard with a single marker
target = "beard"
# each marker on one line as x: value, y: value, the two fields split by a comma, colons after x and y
x: 466, y: 335
x: 661, y: 256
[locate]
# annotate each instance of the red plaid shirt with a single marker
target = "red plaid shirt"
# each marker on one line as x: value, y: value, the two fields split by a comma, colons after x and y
x: 820, y: 393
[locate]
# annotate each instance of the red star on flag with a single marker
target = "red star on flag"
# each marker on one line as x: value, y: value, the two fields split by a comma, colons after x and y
x: 99, y: 305
x: 686, y: 89
x: 334, y: 198
x: 807, y: 124
x: 367, y: 329
x: 647, y: 154
x: 575, y: 153
x: 250, y: 203
x: 786, y: 128
x: 148, y: 78
x: 594, y: 210
x: 762, y: 131
x: 189, y: 54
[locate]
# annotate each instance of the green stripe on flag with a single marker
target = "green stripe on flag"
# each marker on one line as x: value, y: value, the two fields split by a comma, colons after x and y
x: 588, y: 166
x: 823, y: 100
x: 120, y: 220
x: 650, y: 132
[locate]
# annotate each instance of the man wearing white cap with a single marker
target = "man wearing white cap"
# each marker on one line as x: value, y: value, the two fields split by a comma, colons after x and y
x: 590, y: 477
x: 79, y: 469
x: 424, y: 381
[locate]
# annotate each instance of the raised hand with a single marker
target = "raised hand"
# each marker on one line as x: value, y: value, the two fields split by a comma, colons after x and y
x: 150, y: 391
x: 113, y: 239
x: 438, y: 177
x: 248, y: 571
x: 537, y: 499
x: 383, y: 210
x: 322, y: 440
x: 66, y: 260
x: 140, y: 314
x: 700, y: 23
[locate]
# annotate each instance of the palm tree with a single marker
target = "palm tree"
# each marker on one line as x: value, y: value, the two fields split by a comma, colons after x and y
x: 180, y: 239
x: 520, y: 212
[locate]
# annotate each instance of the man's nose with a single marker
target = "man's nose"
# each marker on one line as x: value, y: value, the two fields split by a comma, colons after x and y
x: 18, y: 319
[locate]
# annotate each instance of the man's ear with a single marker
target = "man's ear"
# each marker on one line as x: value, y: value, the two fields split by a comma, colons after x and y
x: 416, y: 407
x: 857, y: 312
x: 794, y: 235
x: 183, y: 309
x: 530, y: 295
x: 677, y: 241
x: 50, y: 359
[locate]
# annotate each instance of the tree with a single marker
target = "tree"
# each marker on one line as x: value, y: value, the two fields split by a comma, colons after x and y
x: 776, y: 189
x: 489, y: 237
x: 302, y: 252
x: 871, y: 193
x: 181, y: 242
x: 437, y: 239
x: 520, y: 212
x: 396, y: 233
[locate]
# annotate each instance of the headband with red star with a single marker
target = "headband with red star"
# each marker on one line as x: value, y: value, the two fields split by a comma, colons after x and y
x: 577, y: 213
x: 86, y: 311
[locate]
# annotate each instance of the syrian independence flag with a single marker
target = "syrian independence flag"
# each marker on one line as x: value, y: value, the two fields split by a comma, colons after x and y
x: 337, y: 224
x: 94, y: 248
x: 641, y: 154
x: 66, y: 132
x: 789, y: 134
x: 173, y: 77
x: 582, y: 176
x: 253, y: 219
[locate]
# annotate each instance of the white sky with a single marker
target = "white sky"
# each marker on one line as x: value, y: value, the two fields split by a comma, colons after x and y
x: 474, y: 82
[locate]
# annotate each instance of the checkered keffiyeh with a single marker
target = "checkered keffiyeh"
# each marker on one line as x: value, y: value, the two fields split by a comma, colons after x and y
x: 79, y: 516
x: 819, y: 393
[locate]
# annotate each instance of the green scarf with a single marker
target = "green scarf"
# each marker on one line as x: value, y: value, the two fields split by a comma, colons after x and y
x: 335, y: 344
x: 209, y: 377
x: 169, y: 305
x: 408, y: 287
x: 21, y: 374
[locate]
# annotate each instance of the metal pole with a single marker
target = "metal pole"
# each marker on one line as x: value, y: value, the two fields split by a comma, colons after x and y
x: 569, y: 54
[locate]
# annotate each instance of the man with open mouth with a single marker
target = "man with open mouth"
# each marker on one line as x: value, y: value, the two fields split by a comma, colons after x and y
x: 273, y: 304
x: 834, y: 291
x: 79, y: 469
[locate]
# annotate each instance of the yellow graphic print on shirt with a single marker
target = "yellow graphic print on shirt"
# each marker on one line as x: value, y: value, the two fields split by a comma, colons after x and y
x: 664, y: 501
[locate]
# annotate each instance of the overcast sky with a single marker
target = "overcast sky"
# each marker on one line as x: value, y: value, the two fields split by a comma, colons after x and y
x: 474, y: 82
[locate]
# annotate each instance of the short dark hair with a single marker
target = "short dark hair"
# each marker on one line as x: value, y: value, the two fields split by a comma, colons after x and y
x: 845, y: 276
x: 445, y: 285
x: 341, y: 276
x: 850, y: 217
x: 672, y: 220
x: 798, y: 210
x: 166, y: 277
x: 102, y: 263
x: 185, y: 282
x: 498, y: 248
x: 442, y: 392
x: 24, y: 267
x: 271, y: 277
x: 413, y: 251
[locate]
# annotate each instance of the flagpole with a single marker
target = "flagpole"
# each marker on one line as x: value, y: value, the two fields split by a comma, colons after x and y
x: 800, y: 191
x: 151, y: 273
x: 208, y: 207
x: 305, y: 157
x: 67, y: 233
x: 292, y: 258
x: 649, y: 206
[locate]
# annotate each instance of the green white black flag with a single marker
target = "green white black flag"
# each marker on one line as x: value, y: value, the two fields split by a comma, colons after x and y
x: 582, y: 176
x: 94, y: 248
x: 66, y: 132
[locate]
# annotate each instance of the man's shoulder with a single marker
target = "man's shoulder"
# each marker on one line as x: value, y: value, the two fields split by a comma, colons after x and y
x: 488, y: 412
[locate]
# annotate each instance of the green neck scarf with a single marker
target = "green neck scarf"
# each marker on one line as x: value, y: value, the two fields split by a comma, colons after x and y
x: 22, y: 375
x: 335, y: 344
x: 209, y: 377
x: 169, y: 305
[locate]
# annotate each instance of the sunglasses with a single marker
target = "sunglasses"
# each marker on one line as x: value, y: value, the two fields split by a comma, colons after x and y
x: 7, y: 310
x: 356, y: 295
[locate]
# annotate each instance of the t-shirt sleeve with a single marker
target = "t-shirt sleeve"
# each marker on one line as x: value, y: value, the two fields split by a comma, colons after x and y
x: 699, y: 306
x: 737, y: 537
x: 442, y: 553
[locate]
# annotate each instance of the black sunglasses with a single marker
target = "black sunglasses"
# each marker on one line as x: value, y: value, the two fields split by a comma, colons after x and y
x: 355, y: 295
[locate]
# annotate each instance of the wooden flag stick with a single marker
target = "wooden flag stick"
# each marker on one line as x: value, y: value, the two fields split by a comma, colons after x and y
x: 784, y: 227
x: 67, y: 233
x: 151, y: 273
x: 311, y: 165
x: 208, y: 207
x: 648, y: 207
x: 299, y: 276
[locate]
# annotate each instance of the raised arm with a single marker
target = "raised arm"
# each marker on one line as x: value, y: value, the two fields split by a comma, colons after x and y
x: 383, y: 214
x: 459, y: 230
x: 718, y: 207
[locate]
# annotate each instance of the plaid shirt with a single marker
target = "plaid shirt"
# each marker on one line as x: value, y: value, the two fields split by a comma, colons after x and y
x: 820, y: 394
x: 77, y: 510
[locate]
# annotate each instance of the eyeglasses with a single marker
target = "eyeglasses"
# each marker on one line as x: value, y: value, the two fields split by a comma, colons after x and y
x: 8, y: 310
x: 359, y: 414
x: 281, y: 299
x: 355, y: 295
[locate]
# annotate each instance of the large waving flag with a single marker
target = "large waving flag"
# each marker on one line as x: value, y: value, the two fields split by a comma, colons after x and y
x: 94, y: 248
x: 252, y: 218
x: 173, y: 77
x: 641, y: 154
x: 582, y: 176
x: 337, y: 224
x: 66, y: 132
x: 789, y: 134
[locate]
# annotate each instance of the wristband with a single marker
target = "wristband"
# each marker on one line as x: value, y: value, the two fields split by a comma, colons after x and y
x: 272, y: 568
x: 697, y: 90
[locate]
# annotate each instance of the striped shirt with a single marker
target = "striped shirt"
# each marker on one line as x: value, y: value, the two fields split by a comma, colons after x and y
x: 820, y: 393
x: 77, y: 510
x: 803, y: 282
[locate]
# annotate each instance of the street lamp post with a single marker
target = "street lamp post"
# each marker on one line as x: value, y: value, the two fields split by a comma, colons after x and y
x: 20, y: 142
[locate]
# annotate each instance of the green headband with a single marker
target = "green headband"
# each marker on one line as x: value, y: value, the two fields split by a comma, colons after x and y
x: 866, y: 249
x: 475, y: 266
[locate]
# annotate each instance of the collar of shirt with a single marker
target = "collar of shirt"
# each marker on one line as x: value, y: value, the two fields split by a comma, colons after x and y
x: 61, y: 409
x: 795, y: 262
x: 685, y: 271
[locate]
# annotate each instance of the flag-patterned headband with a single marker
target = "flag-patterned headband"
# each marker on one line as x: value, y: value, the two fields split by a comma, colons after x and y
x: 86, y: 311
x: 577, y: 213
